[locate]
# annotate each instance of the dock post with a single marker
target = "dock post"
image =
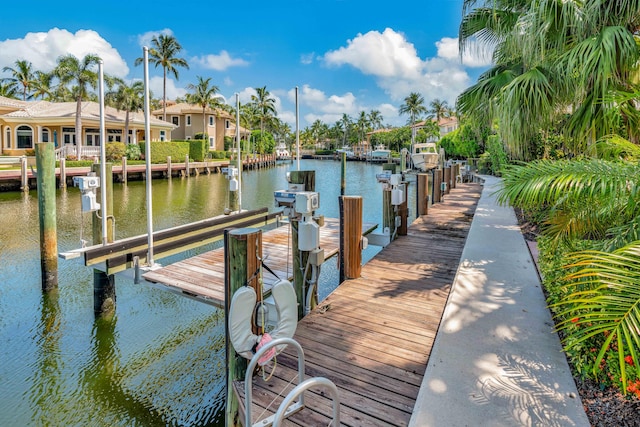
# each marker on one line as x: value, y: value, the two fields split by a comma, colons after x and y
x: 104, y: 285
x: 308, y: 179
x: 447, y: 179
x: 124, y: 169
x: 343, y: 172
x: 388, y: 213
x: 46, y: 179
x: 186, y: 165
x: 242, y: 250
x: 350, y: 237
x: 63, y: 172
x: 403, y: 212
x: 24, y: 174
x: 169, y: 167
x: 437, y: 186
x: 422, y: 197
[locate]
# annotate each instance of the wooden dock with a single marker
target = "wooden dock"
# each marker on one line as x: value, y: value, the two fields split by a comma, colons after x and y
x: 202, y: 276
x: 372, y: 336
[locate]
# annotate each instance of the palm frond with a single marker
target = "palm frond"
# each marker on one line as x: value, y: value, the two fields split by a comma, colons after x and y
x: 605, y: 302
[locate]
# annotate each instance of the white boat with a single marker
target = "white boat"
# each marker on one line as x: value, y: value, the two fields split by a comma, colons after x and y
x: 425, y: 156
x: 282, y: 153
x: 346, y: 149
x: 380, y: 154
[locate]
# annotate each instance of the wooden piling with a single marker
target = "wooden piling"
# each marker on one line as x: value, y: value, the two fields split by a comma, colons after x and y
x: 447, y: 179
x: 187, y: 170
x: 350, y: 237
x: 124, y: 169
x: 422, y: 197
x: 403, y: 211
x: 104, y: 285
x: 63, y: 172
x: 169, y: 167
x: 242, y: 250
x: 308, y: 180
x: 343, y: 172
x: 46, y: 181
x: 437, y: 186
x: 24, y: 175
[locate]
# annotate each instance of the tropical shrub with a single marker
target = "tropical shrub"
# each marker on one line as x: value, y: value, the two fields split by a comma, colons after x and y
x: 590, y: 257
x: 114, y: 151
x: 133, y: 152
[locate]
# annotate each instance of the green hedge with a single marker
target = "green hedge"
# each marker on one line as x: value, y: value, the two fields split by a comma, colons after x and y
x: 160, y: 150
x: 198, y: 149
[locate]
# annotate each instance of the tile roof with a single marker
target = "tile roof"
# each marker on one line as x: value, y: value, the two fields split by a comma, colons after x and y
x: 90, y: 111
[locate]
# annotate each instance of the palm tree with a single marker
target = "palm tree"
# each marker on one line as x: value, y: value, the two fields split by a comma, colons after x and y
x: 266, y: 106
x: 414, y: 106
x: 591, y: 200
x: 42, y: 85
x: 130, y: 98
x: 346, y: 123
x: 579, y: 61
x: 376, y: 119
x: 163, y: 53
x: 362, y: 125
x: 205, y: 95
x: 22, y: 77
x: 439, y: 109
x: 7, y: 90
x: 71, y: 70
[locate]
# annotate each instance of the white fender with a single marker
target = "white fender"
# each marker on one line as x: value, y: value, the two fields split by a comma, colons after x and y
x: 241, y: 312
x: 241, y: 309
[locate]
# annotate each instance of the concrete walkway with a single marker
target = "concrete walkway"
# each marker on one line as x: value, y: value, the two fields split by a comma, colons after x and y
x: 496, y: 360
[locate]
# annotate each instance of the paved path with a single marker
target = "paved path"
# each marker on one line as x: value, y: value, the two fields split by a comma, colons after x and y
x: 496, y: 360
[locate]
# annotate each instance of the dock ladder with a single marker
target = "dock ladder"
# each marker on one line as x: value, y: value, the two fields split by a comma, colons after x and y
x: 289, y: 405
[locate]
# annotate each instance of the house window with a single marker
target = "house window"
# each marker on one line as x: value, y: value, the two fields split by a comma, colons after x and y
x: 130, y: 137
x: 162, y: 135
x: 188, y: 117
x: 44, y: 135
x: 210, y: 120
x: 7, y: 139
x: 24, y: 136
x: 159, y: 117
x: 92, y: 137
x: 69, y: 136
x: 212, y: 143
x: 114, y: 135
x: 175, y: 120
x: 226, y: 124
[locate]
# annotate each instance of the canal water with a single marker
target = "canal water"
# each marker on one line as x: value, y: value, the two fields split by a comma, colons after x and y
x: 160, y: 360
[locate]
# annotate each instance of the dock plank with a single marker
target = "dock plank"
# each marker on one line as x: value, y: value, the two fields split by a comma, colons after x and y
x: 202, y: 276
x: 373, y: 335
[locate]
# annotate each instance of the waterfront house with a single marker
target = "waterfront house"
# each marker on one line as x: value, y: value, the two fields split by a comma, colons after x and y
x: 187, y: 119
x: 25, y: 123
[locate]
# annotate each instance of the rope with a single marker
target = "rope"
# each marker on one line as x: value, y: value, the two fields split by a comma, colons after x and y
x: 278, y: 395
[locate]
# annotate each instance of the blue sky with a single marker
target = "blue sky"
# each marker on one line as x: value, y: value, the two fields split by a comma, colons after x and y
x: 345, y: 56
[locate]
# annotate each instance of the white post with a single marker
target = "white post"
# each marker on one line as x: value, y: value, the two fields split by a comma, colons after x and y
x: 103, y: 155
x: 297, y: 130
x: 239, y: 153
x: 147, y: 156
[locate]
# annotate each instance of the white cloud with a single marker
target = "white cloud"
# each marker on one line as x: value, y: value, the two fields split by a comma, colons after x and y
x: 173, y: 92
x: 386, y: 54
x: 219, y: 62
x: 145, y: 39
x: 474, y: 55
x: 307, y: 58
x: 398, y: 69
x: 42, y: 49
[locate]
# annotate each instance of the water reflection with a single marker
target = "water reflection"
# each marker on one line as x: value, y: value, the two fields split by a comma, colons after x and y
x: 160, y: 360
